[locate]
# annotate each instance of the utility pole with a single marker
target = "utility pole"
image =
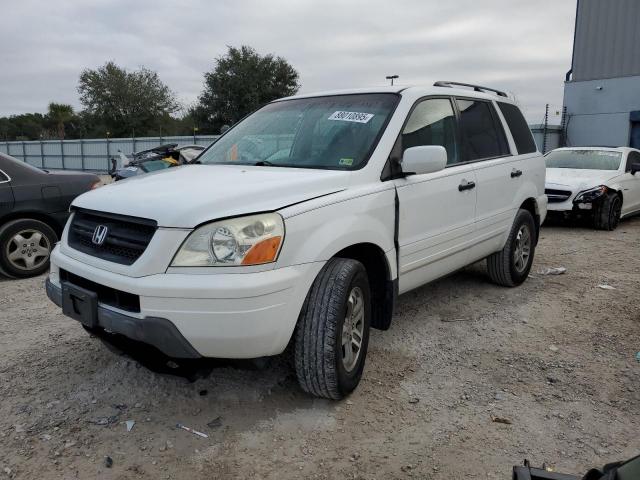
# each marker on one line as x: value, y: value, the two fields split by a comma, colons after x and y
x: 392, y: 78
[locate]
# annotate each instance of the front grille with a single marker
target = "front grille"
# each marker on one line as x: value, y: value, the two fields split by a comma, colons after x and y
x: 106, y: 295
x: 557, y: 196
x: 126, y: 238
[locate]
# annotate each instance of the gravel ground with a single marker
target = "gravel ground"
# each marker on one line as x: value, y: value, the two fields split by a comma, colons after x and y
x: 555, y: 357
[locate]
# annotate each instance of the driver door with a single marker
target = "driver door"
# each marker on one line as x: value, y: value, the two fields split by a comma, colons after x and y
x: 631, y: 186
x: 6, y: 194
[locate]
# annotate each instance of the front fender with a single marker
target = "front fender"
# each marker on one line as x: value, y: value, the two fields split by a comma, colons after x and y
x: 317, y: 232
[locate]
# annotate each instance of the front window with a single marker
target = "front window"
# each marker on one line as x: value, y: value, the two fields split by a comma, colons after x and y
x: 336, y: 132
x: 584, y: 159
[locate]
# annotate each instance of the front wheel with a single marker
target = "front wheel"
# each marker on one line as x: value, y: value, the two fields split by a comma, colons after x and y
x: 25, y: 246
x: 332, y: 334
x: 607, y: 215
x: 510, y: 266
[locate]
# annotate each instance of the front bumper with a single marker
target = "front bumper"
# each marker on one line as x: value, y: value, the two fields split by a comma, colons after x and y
x: 159, y: 332
x: 227, y: 315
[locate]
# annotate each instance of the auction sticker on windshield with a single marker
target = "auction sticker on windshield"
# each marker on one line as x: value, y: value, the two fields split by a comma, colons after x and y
x: 358, y: 117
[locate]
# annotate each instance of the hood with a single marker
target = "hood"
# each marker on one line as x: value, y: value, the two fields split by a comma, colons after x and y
x: 578, y: 178
x: 186, y: 196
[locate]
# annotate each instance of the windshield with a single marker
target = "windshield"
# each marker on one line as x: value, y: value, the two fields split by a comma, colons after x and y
x: 584, y: 159
x: 337, y: 132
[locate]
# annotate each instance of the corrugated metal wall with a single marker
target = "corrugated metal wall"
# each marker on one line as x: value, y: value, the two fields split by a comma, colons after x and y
x: 93, y: 154
x: 607, y: 40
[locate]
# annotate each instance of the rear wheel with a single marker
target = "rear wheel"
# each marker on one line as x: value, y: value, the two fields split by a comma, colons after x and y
x: 607, y: 215
x: 332, y: 334
x: 25, y: 247
x: 510, y: 266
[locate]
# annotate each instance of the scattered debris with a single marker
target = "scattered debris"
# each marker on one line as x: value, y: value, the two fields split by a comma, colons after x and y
x: 215, y: 423
x: 104, y: 421
x: 19, y: 428
x: 459, y: 319
x: 553, y: 348
x: 414, y: 400
x: 606, y: 287
x: 495, y: 419
x: 120, y: 406
x: 8, y: 471
x: 552, y: 271
x: 46, y: 437
x: 499, y: 396
x: 130, y: 424
x: 108, y: 461
x: 191, y: 430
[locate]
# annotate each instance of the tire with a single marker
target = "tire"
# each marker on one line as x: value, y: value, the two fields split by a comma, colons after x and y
x: 323, y: 365
x: 509, y: 267
x: 607, y: 215
x: 25, y: 247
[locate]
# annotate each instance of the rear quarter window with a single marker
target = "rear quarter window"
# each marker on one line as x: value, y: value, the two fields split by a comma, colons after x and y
x: 519, y: 128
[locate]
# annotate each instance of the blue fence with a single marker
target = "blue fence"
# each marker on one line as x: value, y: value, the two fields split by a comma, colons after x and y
x: 90, y: 154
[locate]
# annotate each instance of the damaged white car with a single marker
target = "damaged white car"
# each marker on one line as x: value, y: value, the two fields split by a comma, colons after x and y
x: 602, y: 183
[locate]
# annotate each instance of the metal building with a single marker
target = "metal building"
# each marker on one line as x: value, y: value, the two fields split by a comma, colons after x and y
x: 602, y: 88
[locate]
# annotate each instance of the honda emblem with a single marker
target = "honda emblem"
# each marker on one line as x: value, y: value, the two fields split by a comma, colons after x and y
x: 100, y: 235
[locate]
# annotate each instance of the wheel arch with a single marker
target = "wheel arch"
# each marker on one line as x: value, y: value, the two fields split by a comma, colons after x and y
x: 32, y: 215
x: 383, y: 286
x: 531, y: 205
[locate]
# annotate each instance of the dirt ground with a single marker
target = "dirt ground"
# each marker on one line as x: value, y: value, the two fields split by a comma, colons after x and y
x: 556, y: 357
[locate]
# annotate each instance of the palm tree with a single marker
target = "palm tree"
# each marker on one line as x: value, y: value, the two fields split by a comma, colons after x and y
x: 59, y: 114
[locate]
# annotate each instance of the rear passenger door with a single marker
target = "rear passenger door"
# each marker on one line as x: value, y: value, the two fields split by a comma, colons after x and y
x: 436, y: 210
x: 498, y: 173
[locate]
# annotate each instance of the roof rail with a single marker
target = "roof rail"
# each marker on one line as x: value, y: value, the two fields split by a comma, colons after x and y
x: 477, y: 88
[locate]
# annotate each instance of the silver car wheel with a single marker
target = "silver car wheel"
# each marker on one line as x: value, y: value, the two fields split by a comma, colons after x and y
x: 522, y: 249
x: 28, y: 250
x: 353, y: 329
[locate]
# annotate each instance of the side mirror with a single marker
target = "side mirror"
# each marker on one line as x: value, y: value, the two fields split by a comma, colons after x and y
x: 424, y: 159
x: 635, y: 167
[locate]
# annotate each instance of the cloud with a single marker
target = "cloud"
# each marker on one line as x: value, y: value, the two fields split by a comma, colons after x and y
x: 517, y: 45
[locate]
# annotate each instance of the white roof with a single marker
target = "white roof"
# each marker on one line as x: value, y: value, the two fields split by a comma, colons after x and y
x: 413, y: 91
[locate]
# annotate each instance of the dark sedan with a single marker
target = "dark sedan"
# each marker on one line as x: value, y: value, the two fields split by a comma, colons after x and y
x: 34, y: 206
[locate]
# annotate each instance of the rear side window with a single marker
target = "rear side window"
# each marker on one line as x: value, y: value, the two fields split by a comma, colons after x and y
x: 3, y: 177
x: 519, y: 128
x: 480, y: 130
x: 433, y: 122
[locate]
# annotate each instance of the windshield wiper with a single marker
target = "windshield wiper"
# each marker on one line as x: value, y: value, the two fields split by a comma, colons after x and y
x: 265, y: 163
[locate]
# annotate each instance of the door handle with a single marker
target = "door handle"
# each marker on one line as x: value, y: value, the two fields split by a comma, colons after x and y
x: 465, y: 185
x: 515, y: 173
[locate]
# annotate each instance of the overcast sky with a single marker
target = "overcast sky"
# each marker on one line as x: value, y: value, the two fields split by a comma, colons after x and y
x: 517, y: 45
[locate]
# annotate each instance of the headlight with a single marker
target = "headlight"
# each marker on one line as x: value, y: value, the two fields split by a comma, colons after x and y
x: 590, y: 195
x: 251, y: 240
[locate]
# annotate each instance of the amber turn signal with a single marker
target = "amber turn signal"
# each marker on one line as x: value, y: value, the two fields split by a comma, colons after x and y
x: 262, y: 252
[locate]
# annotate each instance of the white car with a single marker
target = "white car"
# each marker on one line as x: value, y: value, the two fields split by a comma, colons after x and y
x: 598, y: 181
x: 302, y: 224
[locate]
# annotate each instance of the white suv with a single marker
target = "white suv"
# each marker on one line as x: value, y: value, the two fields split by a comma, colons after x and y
x: 302, y: 224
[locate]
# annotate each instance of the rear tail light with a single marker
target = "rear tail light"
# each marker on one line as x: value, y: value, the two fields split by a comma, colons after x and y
x: 95, y: 185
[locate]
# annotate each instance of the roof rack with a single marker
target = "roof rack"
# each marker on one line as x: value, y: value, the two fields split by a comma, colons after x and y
x: 477, y: 88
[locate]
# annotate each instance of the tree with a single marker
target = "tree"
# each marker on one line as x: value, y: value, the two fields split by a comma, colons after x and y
x: 58, y: 117
x: 242, y: 81
x: 126, y: 102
